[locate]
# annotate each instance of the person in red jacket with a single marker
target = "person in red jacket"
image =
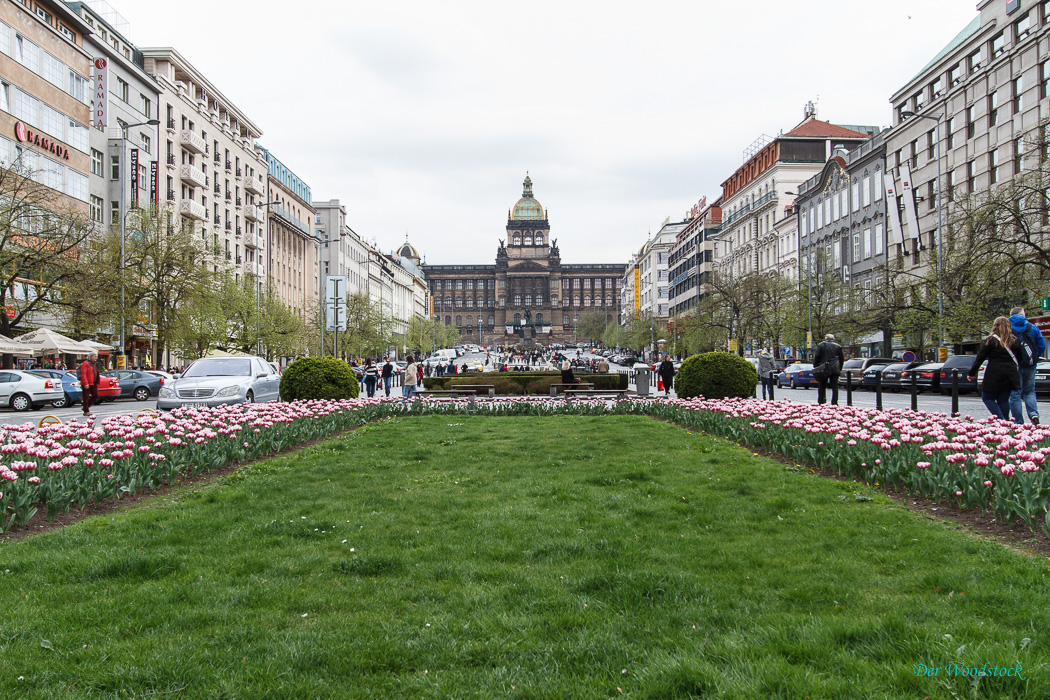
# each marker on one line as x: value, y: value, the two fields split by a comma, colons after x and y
x: 88, y: 375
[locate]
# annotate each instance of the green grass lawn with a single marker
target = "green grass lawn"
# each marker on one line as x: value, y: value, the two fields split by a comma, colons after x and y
x: 565, y: 557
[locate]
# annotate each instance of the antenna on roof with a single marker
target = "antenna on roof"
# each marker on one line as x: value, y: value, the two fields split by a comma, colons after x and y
x: 810, y: 110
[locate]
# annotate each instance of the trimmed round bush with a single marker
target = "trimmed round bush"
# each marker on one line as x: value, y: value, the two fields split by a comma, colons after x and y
x: 319, y: 378
x: 716, y: 375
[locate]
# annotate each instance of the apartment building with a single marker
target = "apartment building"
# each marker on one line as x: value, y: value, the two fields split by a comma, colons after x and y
x: 293, y: 261
x: 690, y: 259
x: 342, y: 250
x: 213, y: 176
x: 45, y: 112
x: 975, y: 107
x: 767, y: 183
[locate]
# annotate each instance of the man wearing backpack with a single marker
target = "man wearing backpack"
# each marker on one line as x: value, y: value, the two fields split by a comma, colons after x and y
x: 829, y: 354
x: 1031, y: 349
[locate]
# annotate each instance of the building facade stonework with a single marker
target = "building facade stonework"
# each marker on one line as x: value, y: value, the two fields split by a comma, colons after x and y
x: 483, y: 300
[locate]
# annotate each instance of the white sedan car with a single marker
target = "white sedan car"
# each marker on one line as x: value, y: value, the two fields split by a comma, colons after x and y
x: 24, y: 390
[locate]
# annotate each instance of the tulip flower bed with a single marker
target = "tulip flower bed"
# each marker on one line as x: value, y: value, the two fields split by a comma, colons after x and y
x: 984, y: 464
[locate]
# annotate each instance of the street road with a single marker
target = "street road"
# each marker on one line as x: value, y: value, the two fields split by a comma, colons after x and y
x: 110, y: 408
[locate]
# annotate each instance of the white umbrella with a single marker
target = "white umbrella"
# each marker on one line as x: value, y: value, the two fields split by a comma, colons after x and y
x: 12, y: 347
x: 97, y: 346
x: 46, y: 342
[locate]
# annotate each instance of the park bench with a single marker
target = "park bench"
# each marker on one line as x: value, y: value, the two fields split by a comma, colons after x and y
x: 451, y: 393
x: 580, y: 385
x: 614, y: 393
x: 478, y: 388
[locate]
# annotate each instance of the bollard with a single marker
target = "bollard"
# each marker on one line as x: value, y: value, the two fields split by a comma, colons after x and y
x: 955, y: 392
x: 849, y: 387
x: 772, y: 396
x: 878, y: 391
x: 914, y: 391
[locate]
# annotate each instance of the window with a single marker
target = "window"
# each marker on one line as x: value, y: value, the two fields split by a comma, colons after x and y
x: 114, y: 167
x: 27, y: 53
x: 856, y: 196
x: 144, y: 141
x: 114, y: 213
x: 998, y: 44
x: 459, y: 284
x: 835, y: 216
x: 1044, y: 80
x: 96, y: 209
x: 123, y: 92
x: 1018, y: 156
x: 993, y: 165
x: 953, y: 131
x: 146, y: 107
x: 971, y: 177
x: 856, y: 247
x: 96, y: 163
x: 1018, y: 94
x: 971, y: 119
x: 993, y: 108
x: 866, y: 189
x: 878, y: 239
x: 974, y: 61
x: 920, y: 100
x: 931, y: 144
x: 938, y: 86
x: 955, y: 74
x: 66, y: 32
x: 1023, y: 27
x: 867, y: 243
x: 878, y: 186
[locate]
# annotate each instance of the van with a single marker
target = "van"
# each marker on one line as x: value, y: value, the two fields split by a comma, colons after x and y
x: 442, y: 356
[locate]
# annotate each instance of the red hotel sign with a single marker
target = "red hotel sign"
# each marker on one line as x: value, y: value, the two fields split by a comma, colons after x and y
x: 26, y: 135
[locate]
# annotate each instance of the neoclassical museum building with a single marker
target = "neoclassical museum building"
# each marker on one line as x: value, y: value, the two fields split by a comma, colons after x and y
x: 483, y: 300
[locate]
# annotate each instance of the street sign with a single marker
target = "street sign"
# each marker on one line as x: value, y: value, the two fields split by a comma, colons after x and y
x: 908, y: 356
x: 335, y: 303
x: 1045, y: 304
x: 942, y: 354
x: 809, y: 339
x: 732, y: 345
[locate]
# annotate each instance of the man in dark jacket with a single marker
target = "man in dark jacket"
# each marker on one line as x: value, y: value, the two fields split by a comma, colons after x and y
x: 666, y: 373
x: 829, y: 352
x: 387, y: 375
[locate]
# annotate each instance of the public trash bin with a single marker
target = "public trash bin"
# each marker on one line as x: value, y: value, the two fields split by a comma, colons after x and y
x: 641, y: 381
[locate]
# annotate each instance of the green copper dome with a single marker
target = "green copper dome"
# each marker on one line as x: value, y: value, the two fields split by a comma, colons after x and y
x: 527, y: 208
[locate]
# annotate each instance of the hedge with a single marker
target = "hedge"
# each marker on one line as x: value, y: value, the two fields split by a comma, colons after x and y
x: 523, y: 383
x: 716, y: 375
x: 319, y: 378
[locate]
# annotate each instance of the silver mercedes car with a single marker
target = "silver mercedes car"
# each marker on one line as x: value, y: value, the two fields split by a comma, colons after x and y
x: 212, y: 381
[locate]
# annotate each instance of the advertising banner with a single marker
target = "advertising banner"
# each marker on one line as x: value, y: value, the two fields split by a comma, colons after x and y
x: 134, y: 178
x: 100, y: 101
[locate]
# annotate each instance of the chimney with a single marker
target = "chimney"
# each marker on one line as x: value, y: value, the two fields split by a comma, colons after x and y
x: 809, y: 111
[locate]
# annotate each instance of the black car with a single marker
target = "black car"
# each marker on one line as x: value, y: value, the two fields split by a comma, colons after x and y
x: 857, y: 366
x: 927, y: 376
x: 963, y: 364
x: 1042, y: 377
x: 892, y: 376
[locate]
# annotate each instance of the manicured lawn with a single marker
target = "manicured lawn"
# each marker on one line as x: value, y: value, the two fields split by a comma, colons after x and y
x: 558, y: 557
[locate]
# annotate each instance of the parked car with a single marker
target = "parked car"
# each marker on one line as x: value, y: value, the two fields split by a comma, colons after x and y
x: 168, y: 378
x: 1042, y: 377
x: 963, y: 364
x: 135, y: 384
x: 212, y: 381
x: 891, y: 375
x: 797, y: 375
x: 472, y: 366
x: 857, y: 366
x: 927, y: 376
x: 108, y: 388
x: 70, y: 385
x: 871, y: 373
x: 23, y: 390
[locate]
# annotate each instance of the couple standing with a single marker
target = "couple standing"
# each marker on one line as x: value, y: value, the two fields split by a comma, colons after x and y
x: 1012, y: 351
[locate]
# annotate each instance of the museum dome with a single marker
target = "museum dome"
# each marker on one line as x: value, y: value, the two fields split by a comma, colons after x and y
x: 407, y: 250
x: 527, y: 208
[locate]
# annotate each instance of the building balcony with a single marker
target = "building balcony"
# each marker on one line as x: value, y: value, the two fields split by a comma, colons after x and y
x: 171, y: 195
x: 190, y: 174
x: 240, y: 202
x: 229, y: 166
x: 193, y: 210
x: 240, y: 259
x: 229, y: 196
x: 192, y: 141
x: 171, y: 159
x: 218, y: 159
x: 251, y: 212
x: 238, y: 174
x: 240, y: 232
x: 254, y: 186
x: 249, y: 242
x: 217, y: 219
x: 218, y: 188
x: 171, y: 124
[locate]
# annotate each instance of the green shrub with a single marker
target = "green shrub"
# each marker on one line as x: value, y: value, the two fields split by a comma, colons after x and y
x: 716, y: 375
x: 520, y: 383
x: 319, y: 378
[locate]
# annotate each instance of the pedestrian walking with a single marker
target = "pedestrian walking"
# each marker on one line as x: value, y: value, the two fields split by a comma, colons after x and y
x: 388, y: 376
x: 371, y: 375
x: 566, y: 372
x: 410, y: 378
x: 1001, y: 376
x: 1032, y: 346
x: 88, y: 374
x: 666, y: 373
x: 766, y: 367
x: 827, y: 362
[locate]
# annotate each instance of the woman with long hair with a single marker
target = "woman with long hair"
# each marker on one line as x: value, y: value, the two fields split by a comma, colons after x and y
x: 1002, y: 375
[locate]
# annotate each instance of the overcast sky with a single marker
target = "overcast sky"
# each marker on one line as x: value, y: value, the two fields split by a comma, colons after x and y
x: 423, y: 117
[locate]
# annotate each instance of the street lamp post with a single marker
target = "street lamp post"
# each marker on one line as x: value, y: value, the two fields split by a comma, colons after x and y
x: 940, y: 252
x: 258, y: 281
x: 123, y: 215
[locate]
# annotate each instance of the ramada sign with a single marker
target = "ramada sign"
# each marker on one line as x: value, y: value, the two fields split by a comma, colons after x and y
x: 26, y: 135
